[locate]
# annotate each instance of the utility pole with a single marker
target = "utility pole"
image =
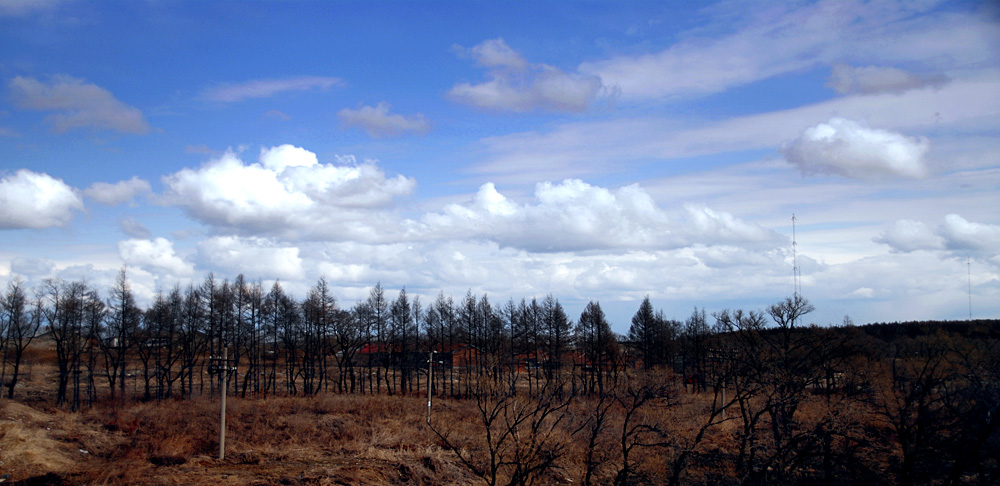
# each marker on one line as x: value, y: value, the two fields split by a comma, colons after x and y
x: 222, y: 404
x: 223, y: 368
x: 430, y: 384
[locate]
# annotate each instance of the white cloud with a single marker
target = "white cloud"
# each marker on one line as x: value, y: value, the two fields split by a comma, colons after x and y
x: 966, y: 236
x: 908, y: 235
x: 847, y: 148
x: 955, y: 234
x: 119, y: 192
x: 33, y: 268
x: 494, y: 53
x: 378, y: 122
x: 863, y: 293
x: 515, y: 85
x: 289, y: 191
x: 781, y: 39
x: 79, y: 105
x: 253, y: 257
x: 33, y: 200
x: 965, y: 108
x: 156, y: 254
x: 265, y: 88
x: 573, y: 215
x: 281, y: 157
x: 847, y: 79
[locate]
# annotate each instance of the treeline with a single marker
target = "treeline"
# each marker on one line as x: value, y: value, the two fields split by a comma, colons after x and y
x: 275, y: 344
x: 733, y: 397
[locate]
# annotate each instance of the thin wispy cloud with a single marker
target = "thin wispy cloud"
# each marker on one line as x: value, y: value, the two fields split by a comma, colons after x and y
x: 847, y: 79
x: 787, y: 38
x: 378, y: 122
x: 266, y: 88
x: 119, y: 192
x: 77, y: 104
x: 514, y: 84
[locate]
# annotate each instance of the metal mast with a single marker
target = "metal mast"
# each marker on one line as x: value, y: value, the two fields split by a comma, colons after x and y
x: 968, y: 264
x: 797, y: 286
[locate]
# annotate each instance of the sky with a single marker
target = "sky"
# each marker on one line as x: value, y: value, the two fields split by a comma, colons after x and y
x: 593, y: 150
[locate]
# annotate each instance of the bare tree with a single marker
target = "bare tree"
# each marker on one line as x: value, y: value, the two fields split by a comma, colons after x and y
x: 520, y: 438
x: 598, y: 344
x: 121, y: 324
x: 21, y: 323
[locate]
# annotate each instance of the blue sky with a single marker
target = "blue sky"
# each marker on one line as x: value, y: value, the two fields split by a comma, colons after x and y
x: 592, y: 150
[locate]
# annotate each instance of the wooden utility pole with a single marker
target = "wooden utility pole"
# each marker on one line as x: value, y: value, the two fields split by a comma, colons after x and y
x: 223, y: 368
x: 430, y: 384
x: 224, y: 377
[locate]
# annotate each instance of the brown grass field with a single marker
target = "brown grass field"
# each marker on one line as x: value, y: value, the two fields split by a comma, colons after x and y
x: 332, y: 439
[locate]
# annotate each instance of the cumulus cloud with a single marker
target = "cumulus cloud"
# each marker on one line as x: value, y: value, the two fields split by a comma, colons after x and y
x: 573, y: 215
x: 514, y: 84
x: 955, y: 234
x: 77, y: 103
x: 156, y: 254
x: 33, y: 200
x: 265, y: 88
x: 847, y: 148
x: 908, y: 235
x: 846, y: 79
x: 254, y: 257
x: 117, y: 193
x: 377, y: 122
x: 963, y: 235
x: 287, y: 191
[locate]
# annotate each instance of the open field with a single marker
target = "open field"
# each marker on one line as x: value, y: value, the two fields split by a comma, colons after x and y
x: 327, y: 440
x: 909, y: 404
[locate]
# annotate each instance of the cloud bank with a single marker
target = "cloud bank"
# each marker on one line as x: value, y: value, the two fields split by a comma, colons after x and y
x: 576, y: 216
x: 955, y: 234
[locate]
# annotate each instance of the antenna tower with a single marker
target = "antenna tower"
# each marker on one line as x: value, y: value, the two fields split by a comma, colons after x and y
x: 968, y: 264
x: 795, y: 263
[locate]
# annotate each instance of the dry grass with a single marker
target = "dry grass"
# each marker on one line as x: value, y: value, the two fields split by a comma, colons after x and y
x: 326, y: 440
